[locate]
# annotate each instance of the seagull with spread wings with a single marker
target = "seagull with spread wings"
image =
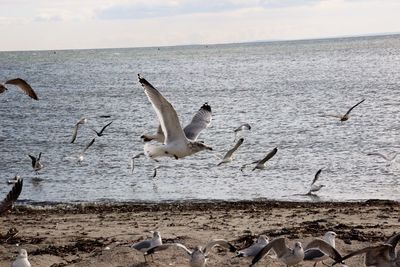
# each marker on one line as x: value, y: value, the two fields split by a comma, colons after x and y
x: 80, y: 158
x: 260, y: 164
x: 388, y: 158
x: 11, y: 197
x: 255, y: 248
x: 229, y: 155
x: 284, y: 253
x: 346, y: 116
x: 21, y: 84
x: 36, y: 164
x: 243, y: 127
x: 199, y: 255
x: 313, y: 186
x: 80, y: 122
x: 147, y: 244
x: 102, y: 129
x: 176, y: 143
x: 319, y: 250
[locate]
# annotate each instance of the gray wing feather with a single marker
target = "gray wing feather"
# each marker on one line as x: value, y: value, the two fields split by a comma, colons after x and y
x: 325, y: 248
x: 88, y: 145
x: 200, y: 121
x: 145, y: 244
x: 166, y: 246
x: 218, y: 242
x: 269, y: 156
x: 348, y: 112
x: 316, y: 176
x: 11, y: 197
x: 24, y: 86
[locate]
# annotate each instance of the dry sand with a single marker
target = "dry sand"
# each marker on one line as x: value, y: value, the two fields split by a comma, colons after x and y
x: 80, y: 235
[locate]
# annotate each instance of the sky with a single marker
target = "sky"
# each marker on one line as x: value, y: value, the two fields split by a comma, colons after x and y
x: 77, y: 24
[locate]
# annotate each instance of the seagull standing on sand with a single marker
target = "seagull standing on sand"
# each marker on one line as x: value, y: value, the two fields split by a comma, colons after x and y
x: 229, y: 155
x: 289, y: 256
x: 11, y: 197
x: 244, y: 126
x: 36, y: 164
x: 145, y: 245
x: 198, y: 256
x: 314, y: 187
x: 176, y: 144
x: 81, y: 121
x: 200, y: 121
x: 317, y: 253
x: 21, y: 84
x: 22, y: 259
x: 383, y: 255
x: 346, y: 116
x: 260, y: 164
x: 255, y: 248
x: 102, y: 129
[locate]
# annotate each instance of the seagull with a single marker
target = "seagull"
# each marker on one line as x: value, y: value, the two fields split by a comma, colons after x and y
x: 81, y: 121
x: 318, y: 252
x: 199, y: 255
x: 229, y: 155
x: 261, y: 163
x: 383, y: 255
x: 388, y: 158
x: 14, y: 180
x: 102, y: 130
x: 133, y: 160
x: 86, y: 148
x: 147, y: 244
x: 313, y: 187
x: 346, y: 116
x: 21, y: 84
x: 289, y: 256
x: 255, y: 248
x: 176, y: 143
x: 36, y: 164
x: 11, y: 197
x: 22, y: 259
x: 200, y: 121
x: 244, y: 126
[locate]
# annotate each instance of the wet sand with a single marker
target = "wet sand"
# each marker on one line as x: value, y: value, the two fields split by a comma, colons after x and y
x: 100, y: 234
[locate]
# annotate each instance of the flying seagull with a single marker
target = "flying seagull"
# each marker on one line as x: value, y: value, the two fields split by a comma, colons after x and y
x: 11, y: 197
x: 176, y: 144
x: 200, y: 121
x: 383, y: 255
x: 346, y: 116
x: 255, y: 248
x: 313, y: 186
x: 288, y: 255
x: 147, y: 244
x: 244, y: 126
x: 229, y: 155
x: 388, y: 158
x: 36, y: 164
x: 22, y: 259
x: 21, y: 84
x: 102, y: 130
x: 81, y: 121
x: 319, y: 250
x: 199, y: 255
x: 260, y: 164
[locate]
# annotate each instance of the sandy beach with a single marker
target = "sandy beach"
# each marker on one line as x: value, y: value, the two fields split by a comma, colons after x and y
x: 100, y: 234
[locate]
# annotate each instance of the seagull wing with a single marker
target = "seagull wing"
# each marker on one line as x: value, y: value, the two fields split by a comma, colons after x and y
x: 326, y: 248
x: 348, y: 112
x: 373, y: 252
x: 316, y: 176
x: 393, y: 240
x: 105, y: 127
x: 278, y: 245
x: 33, y: 158
x: 88, y: 145
x: 243, y: 126
x: 378, y: 154
x: 11, y: 197
x: 166, y: 246
x: 268, y: 156
x: 231, y: 151
x: 24, y: 86
x: 165, y: 112
x: 75, y: 133
x: 218, y: 242
x: 200, y: 121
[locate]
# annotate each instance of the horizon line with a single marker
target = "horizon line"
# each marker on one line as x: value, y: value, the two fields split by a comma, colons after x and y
x: 216, y: 44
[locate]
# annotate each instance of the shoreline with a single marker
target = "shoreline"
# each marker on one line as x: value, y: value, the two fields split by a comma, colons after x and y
x: 99, y: 234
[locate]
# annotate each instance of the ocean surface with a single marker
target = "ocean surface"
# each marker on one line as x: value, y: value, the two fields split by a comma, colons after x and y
x: 283, y: 89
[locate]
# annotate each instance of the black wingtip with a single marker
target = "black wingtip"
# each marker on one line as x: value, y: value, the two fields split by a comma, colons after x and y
x: 206, y: 106
x: 143, y: 81
x: 232, y: 248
